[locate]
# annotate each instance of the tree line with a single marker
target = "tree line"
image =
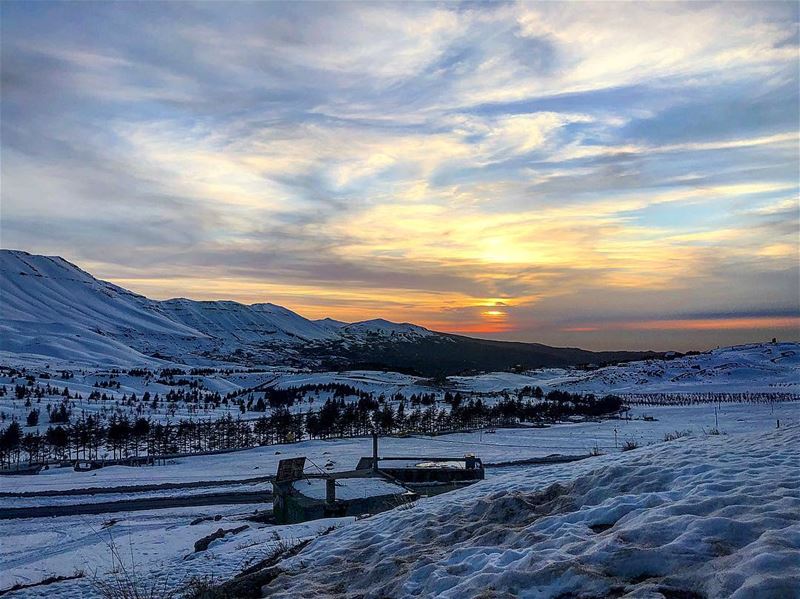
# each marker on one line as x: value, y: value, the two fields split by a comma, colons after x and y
x: 122, y: 437
x: 687, y: 399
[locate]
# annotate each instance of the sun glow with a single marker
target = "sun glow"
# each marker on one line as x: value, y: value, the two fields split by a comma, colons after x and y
x: 487, y: 194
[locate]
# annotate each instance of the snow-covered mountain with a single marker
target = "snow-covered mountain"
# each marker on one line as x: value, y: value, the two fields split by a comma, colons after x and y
x: 46, y: 290
x: 50, y: 307
x: 379, y: 327
x: 239, y: 323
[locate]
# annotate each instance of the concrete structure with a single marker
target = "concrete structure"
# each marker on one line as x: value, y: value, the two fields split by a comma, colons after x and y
x: 341, y: 494
x: 468, y: 469
x: 377, y: 484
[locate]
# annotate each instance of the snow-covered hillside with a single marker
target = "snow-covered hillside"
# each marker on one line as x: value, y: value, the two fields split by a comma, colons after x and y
x: 627, y: 484
x: 49, y: 307
x: 753, y: 368
x: 238, y: 324
x: 379, y: 327
x: 696, y: 517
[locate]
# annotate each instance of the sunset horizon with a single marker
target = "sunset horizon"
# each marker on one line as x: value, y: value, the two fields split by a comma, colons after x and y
x: 403, y: 300
x: 583, y: 175
x: 690, y: 334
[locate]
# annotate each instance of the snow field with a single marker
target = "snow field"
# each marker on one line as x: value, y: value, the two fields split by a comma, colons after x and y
x: 155, y: 544
x: 505, y: 445
x: 715, y: 516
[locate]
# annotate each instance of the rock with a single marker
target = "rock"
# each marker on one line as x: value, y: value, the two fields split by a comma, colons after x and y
x: 203, y: 543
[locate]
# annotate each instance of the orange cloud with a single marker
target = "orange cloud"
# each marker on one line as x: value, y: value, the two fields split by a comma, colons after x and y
x: 694, y: 324
x: 704, y: 324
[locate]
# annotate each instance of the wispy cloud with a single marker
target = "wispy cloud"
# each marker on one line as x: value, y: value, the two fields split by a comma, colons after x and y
x: 528, y: 171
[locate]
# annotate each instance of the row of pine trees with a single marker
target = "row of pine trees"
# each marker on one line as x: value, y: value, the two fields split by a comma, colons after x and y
x: 121, y: 437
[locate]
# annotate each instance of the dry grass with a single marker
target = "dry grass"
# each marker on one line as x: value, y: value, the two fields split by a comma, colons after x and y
x: 629, y: 445
x: 126, y: 583
x: 676, y: 435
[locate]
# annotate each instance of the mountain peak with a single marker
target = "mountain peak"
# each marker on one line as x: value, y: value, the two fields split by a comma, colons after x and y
x: 381, y: 326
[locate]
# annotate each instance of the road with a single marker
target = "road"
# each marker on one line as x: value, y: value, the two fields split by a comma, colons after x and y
x: 137, y: 504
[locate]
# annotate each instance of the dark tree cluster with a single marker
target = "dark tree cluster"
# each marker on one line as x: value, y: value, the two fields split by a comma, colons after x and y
x: 124, y: 437
x: 687, y: 399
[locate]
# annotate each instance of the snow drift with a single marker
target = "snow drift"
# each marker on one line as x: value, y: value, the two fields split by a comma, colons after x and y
x: 698, y: 517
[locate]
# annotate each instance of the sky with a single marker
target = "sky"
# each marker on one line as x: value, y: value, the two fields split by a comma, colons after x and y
x: 597, y: 175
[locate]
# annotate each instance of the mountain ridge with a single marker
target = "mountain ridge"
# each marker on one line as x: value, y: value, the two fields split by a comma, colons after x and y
x: 52, y: 307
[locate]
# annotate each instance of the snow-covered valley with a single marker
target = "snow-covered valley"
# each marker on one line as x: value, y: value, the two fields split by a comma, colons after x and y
x: 684, y: 481
x: 698, y: 494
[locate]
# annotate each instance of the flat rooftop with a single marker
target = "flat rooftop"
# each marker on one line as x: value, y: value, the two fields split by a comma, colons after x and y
x: 348, y: 488
x: 423, y: 463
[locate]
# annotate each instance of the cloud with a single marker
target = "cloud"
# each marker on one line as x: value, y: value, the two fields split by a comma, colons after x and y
x: 575, y: 164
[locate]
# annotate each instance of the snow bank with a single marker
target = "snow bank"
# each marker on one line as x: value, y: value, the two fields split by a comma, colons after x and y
x: 157, y: 545
x: 716, y: 516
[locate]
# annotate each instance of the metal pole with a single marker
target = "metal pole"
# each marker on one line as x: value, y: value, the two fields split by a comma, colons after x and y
x: 375, y: 451
x: 330, y: 491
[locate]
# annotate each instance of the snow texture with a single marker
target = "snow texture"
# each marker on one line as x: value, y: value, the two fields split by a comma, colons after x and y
x: 154, y: 545
x: 697, y: 517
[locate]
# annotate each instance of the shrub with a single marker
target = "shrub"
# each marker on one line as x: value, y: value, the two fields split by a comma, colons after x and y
x: 676, y: 435
x: 629, y: 445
